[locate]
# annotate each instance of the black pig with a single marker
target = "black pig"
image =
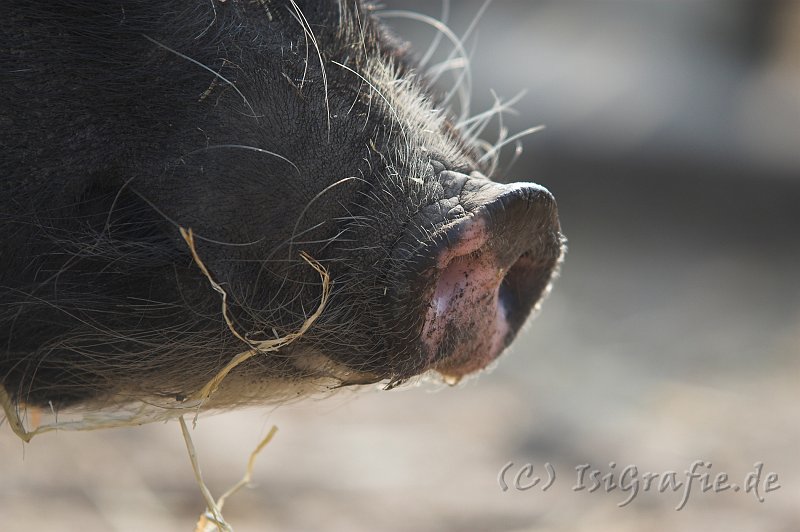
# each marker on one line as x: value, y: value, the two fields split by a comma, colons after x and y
x: 268, y: 128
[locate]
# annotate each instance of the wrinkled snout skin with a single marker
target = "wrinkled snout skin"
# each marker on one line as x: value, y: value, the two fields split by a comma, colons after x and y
x: 268, y: 129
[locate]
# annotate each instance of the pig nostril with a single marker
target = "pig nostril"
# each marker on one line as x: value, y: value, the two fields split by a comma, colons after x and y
x: 522, y: 286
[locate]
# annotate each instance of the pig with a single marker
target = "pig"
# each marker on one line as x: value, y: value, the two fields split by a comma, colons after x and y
x: 161, y: 156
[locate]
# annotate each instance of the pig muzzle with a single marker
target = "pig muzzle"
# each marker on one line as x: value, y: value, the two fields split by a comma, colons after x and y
x: 481, y: 270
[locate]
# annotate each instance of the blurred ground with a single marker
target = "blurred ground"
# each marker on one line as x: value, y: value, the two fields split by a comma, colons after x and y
x: 673, y: 335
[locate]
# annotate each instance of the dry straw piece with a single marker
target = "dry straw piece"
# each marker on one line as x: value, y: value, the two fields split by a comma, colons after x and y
x: 212, y: 518
x: 262, y: 346
x: 146, y: 410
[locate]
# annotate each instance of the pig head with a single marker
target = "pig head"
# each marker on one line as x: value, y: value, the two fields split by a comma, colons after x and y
x: 268, y: 129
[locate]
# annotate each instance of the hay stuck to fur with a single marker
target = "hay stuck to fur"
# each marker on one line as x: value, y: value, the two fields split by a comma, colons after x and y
x: 146, y: 410
x: 141, y: 410
x: 262, y: 346
x: 12, y: 415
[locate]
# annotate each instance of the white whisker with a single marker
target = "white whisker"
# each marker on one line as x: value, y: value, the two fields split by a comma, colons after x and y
x: 201, y: 65
x: 245, y: 147
x: 438, y: 37
x: 301, y: 18
x: 512, y: 138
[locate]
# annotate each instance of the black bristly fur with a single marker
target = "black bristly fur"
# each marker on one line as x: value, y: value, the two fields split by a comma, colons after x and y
x: 268, y: 128
x: 122, y: 120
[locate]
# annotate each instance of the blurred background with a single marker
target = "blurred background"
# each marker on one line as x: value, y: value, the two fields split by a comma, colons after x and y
x: 673, y: 335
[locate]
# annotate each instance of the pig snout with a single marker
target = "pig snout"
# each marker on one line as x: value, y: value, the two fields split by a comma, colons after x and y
x: 482, y: 271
